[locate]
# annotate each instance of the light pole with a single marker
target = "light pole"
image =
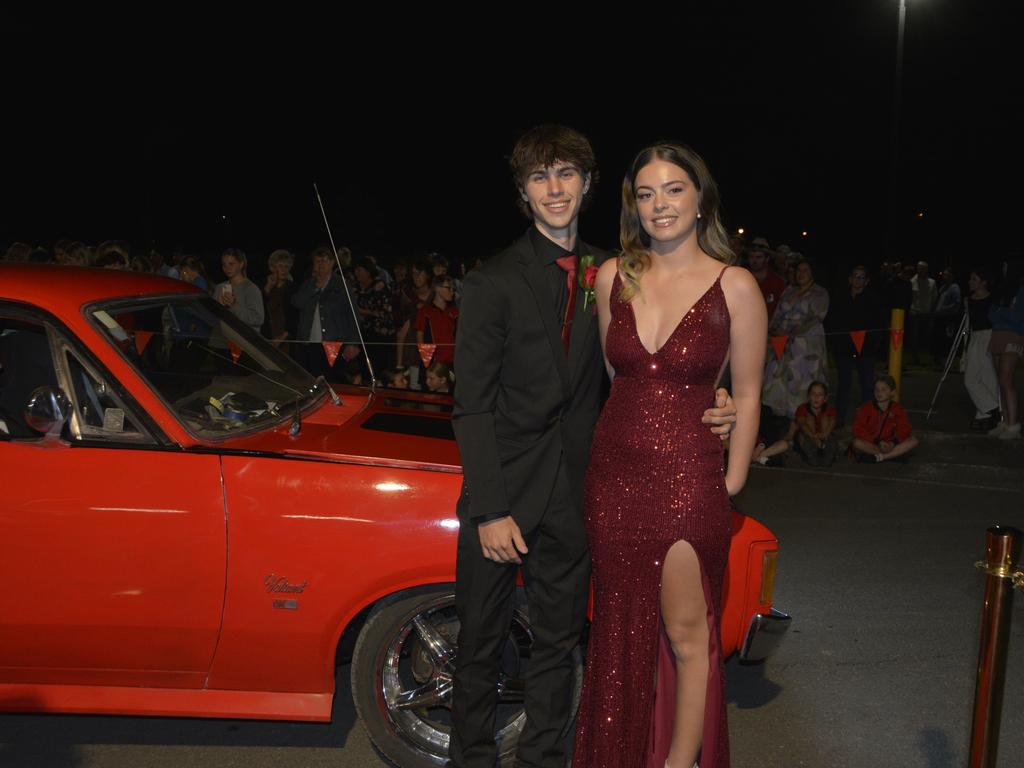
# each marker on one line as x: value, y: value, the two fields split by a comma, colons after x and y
x: 895, y: 155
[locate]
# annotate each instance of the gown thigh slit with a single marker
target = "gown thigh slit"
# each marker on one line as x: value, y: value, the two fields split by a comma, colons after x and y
x: 655, y: 478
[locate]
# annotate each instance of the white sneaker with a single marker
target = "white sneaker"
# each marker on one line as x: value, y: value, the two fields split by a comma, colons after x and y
x: 998, y: 429
x: 1012, y: 432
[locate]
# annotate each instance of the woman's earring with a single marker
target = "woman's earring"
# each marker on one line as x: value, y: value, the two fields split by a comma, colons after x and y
x: 698, y: 214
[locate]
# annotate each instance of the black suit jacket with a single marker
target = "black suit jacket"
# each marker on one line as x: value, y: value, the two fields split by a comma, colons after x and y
x: 520, y: 404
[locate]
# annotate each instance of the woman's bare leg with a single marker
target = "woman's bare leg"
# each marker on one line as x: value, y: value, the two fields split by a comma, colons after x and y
x: 684, y: 612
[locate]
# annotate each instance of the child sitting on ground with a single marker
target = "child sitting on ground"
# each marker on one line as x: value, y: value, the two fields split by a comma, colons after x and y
x: 775, y: 438
x: 816, y: 423
x: 397, y: 378
x: 881, y: 429
x: 439, y: 377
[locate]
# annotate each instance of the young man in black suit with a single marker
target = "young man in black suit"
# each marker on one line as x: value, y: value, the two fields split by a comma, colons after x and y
x: 530, y: 376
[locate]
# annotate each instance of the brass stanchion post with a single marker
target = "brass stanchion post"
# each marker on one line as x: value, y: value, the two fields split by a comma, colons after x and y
x: 1003, y: 546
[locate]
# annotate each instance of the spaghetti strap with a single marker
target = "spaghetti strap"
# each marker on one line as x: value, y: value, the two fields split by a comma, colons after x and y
x: 722, y: 272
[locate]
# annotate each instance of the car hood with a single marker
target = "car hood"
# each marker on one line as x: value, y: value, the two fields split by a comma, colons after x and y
x: 382, y: 428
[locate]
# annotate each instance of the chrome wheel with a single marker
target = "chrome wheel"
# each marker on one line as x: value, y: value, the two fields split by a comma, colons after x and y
x: 402, y: 672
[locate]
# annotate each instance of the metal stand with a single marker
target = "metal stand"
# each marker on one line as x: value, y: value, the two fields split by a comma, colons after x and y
x: 958, y: 340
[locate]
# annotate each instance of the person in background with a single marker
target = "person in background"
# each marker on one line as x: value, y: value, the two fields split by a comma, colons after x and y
x: 881, y: 429
x: 281, y: 317
x: 238, y: 293
x: 816, y: 422
x: 379, y: 273
x: 77, y: 255
x: 324, y: 315
x: 439, y: 266
x: 855, y: 309
x: 896, y: 292
x: 439, y: 377
x: 436, y: 322
x: 60, y: 250
x: 1007, y: 348
x: 159, y: 266
x: 799, y: 316
x: 921, y: 306
x: 771, y: 284
x: 192, y: 271
x: 373, y: 301
x: 18, y: 252
x: 397, y: 378
x: 948, y: 312
x: 775, y: 437
x: 979, y: 371
x: 780, y: 260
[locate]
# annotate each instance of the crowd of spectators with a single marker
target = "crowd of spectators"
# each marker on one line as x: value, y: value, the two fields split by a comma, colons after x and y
x: 808, y: 325
x: 407, y: 319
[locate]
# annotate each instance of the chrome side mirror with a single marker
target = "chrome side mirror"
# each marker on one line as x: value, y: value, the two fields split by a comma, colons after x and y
x: 47, y: 410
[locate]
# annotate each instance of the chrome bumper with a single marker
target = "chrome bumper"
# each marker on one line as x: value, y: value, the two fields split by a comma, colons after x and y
x: 764, y: 634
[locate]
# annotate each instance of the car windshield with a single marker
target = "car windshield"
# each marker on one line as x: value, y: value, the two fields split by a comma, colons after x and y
x: 217, y: 374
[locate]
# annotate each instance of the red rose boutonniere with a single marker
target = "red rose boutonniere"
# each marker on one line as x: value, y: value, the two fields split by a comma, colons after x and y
x: 587, y: 278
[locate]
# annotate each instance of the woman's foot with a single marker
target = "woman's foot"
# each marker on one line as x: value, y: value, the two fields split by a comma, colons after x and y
x: 1012, y: 432
x: 998, y: 429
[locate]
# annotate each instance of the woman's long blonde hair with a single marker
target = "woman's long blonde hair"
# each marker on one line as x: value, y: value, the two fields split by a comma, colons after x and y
x: 635, y: 242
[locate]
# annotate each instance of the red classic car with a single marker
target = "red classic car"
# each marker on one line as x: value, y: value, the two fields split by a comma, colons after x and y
x: 192, y: 525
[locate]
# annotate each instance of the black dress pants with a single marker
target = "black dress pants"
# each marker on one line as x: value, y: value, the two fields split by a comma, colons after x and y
x: 556, y: 573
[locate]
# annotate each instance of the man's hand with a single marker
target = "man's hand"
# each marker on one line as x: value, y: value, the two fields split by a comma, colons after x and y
x: 886, y: 446
x: 723, y: 415
x: 501, y: 541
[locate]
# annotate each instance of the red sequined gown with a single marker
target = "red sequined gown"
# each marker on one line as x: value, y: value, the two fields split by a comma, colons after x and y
x: 655, y: 477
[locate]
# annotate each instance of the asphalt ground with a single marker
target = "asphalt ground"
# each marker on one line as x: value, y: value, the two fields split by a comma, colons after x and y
x: 878, y: 670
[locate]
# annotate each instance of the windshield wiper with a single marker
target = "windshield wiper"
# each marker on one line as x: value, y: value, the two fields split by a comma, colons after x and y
x: 296, y: 425
x: 334, y: 395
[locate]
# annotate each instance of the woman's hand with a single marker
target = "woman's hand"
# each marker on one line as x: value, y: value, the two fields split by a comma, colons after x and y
x: 723, y: 416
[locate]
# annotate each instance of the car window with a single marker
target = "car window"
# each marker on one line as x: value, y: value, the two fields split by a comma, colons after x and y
x: 215, y: 373
x: 98, y: 412
x: 26, y: 363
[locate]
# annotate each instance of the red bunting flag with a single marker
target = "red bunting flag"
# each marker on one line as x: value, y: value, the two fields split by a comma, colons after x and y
x: 427, y: 353
x: 142, y: 339
x: 236, y: 351
x: 896, y: 336
x: 779, y: 344
x: 331, y: 349
x: 858, y: 340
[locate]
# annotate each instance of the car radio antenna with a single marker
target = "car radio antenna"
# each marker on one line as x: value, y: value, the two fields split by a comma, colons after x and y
x: 344, y: 282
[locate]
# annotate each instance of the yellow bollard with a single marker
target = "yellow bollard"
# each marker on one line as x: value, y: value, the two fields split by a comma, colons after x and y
x: 896, y: 349
x: 1003, y: 545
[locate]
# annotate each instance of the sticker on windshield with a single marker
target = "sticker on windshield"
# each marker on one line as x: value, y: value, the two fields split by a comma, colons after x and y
x: 113, y: 420
x: 115, y: 329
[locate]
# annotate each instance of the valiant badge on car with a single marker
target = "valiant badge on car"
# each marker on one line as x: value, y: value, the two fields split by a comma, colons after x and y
x: 275, y: 583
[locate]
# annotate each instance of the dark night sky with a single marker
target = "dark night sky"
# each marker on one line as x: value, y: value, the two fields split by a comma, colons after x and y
x: 160, y: 133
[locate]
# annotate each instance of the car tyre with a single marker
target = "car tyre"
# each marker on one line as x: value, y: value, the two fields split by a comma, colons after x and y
x: 401, y: 677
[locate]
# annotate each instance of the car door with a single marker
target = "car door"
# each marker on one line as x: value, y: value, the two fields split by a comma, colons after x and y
x: 112, y: 543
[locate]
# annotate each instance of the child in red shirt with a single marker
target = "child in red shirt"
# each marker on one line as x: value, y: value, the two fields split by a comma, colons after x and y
x: 439, y: 317
x: 881, y: 428
x: 816, y: 422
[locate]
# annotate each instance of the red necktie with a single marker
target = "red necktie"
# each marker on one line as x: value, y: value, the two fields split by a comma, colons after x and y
x: 568, y: 263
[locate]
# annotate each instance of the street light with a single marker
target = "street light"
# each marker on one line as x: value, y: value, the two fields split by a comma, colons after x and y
x: 740, y: 231
x: 895, y: 151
